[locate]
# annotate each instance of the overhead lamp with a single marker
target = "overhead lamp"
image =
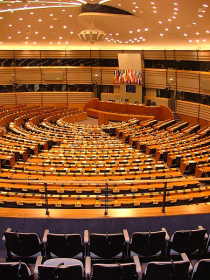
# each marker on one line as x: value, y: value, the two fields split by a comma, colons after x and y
x: 92, y: 35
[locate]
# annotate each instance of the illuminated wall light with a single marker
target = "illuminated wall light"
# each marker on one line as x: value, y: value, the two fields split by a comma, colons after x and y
x: 140, y: 38
x: 1, y: 17
x: 152, y: 3
x: 63, y: 10
x: 119, y: 5
x: 1, y: 42
x: 136, y: 7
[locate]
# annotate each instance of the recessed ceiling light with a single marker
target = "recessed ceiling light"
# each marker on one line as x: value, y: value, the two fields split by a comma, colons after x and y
x: 59, y: 43
x: 1, y: 17
x: 51, y: 26
x: 161, y: 34
x: 40, y: 20
x: 178, y: 27
x: 117, y: 34
x: 160, y: 22
x: 134, y: 11
x: 197, y: 41
x: 185, y: 34
x: 19, y: 32
x: 138, y: 30
x: 146, y: 29
x: 169, y: 19
x: 67, y: 43
x: 31, y: 13
x: 175, y: 4
x: 204, y: 40
x: 200, y: 15
x: 10, y: 25
x: 36, y: 32
x: 194, y: 23
x: 155, y: 12
x: 34, y: 43
x: 29, y: 26
x: 70, y: 15
x: 26, y: 42
x: 63, y: 10
x: 205, y: 5
x: 60, y: 38
x: 20, y: 19
x: 51, y: 15
x: 26, y: 38
x: 130, y: 31
x: 44, y: 38
x: 50, y: 43
x: 71, y: 32
x: 197, y: 33
x: 166, y: 29
x: 207, y: 31
x: 64, y: 26
x: 9, y: 37
x: 190, y: 41
x: 173, y: 17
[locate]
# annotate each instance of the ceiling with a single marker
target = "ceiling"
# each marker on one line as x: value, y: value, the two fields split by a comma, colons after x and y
x: 55, y: 24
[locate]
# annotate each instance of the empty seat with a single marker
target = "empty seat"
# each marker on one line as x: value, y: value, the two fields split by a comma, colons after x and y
x: 15, y: 271
x: 63, y: 245
x: 201, y: 270
x: 61, y: 269
x: 22, y: 245
x: 108, y: 246
x: 176, y: 270
x: 188, y: 241
x: 125, y: 271
x: 149, y: 244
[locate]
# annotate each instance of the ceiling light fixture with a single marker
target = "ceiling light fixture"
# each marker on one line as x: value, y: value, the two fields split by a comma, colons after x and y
x: 92, y: 35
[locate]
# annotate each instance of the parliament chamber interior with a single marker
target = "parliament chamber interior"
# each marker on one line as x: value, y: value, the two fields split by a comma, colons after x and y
x: 105, y: 140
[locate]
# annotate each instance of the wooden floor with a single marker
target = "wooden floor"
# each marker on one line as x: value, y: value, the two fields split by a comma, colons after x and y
x: 100, y: 213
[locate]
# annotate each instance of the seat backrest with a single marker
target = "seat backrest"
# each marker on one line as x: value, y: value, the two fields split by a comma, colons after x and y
x: 167, y: 270
x: 126, y: 271
x: 15, y: 271
x: 148, y: 243
x: 23, y: 244
x: 201, y: 270
x: 64, y: 245
x: 60, y: 272
x: 187, y: 241
x: 107, y: 245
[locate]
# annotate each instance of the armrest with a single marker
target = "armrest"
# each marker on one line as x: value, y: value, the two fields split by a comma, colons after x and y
x: 38, y: 263
x: 206, y: 235
x: 8, y: 230
x: 126, y: 235
x: 167, y: 236
x: 86, y: 236
x: 200, y: 227
x: 138, y: 266
x: 185, y: 258
x: 88, y: 265
x: 44, y: 239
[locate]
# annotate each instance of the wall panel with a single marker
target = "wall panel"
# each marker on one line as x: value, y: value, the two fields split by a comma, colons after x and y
x: 7, y: 75
x: 29, y: 98
x: 7, y: 98
x: 79, y: 75
x: 155, y: 78
x: 188, y: 81
x: 28, y: 75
